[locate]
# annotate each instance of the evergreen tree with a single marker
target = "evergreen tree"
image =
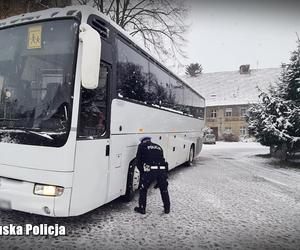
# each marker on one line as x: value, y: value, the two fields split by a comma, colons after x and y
x: 194, y: 69
x: 291, y: 77
x: 275, y: 121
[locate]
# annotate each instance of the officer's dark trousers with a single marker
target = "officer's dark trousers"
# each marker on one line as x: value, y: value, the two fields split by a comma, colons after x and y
x: 161, y: 177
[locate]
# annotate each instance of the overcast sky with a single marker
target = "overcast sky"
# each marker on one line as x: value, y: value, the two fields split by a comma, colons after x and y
x: 224, y: 36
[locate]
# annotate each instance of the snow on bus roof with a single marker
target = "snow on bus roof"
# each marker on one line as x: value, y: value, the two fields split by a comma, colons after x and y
x: 85, y: 11
x: 233, y: 88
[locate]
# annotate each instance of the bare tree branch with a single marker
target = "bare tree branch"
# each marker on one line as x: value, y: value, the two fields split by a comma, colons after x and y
x: 110, y: 7
x: 133, y: 8
x: 83, y: 2
x: 160, y: 24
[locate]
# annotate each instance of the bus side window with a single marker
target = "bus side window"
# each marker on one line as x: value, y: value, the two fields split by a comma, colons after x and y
x: 93, y: 109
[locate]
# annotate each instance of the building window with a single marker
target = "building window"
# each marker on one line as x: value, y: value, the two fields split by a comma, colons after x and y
x: 213, y: 113
x: 213, y: 97
x: 228, y: 112
x: 243, y: 131
x: 227, y: 130
x: 243, y: 112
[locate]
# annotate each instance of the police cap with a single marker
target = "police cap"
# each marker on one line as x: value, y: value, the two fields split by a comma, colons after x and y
x: 145, y: 138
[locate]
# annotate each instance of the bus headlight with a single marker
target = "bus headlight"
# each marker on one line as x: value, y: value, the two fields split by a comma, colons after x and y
x: 47, y: 190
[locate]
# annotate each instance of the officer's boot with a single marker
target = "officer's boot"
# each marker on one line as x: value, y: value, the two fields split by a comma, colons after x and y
x: 166, y: 201
x: 142, y: 201
x: 140, y: 210
x: 167, y: 210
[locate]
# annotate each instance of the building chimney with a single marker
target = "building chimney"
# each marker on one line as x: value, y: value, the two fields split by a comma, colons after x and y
x: 245, y: 69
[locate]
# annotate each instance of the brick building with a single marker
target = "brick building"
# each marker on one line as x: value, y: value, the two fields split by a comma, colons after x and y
x: 228, y: 96
x: 227, y: 119
x: 15, y: 7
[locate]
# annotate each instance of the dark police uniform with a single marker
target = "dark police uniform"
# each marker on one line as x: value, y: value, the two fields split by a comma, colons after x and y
x: 152, y: 166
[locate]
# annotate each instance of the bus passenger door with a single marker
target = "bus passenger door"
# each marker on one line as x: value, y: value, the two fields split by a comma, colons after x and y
x: 92, y: 149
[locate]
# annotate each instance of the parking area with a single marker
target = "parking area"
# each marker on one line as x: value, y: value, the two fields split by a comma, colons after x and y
x: 230, y: 198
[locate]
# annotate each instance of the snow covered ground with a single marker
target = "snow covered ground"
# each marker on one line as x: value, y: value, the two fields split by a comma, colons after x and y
x: 229, y: 199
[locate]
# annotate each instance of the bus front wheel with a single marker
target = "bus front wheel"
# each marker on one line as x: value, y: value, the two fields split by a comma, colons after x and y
x: 133, y: 181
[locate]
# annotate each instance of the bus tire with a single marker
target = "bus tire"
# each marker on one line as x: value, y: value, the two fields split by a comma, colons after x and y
x: 133, y: 180
x: 191, y: 156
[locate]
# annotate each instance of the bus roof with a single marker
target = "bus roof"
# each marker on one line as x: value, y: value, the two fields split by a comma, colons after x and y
x: 82, y: 11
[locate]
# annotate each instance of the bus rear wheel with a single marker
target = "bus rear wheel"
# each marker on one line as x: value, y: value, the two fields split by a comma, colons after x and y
x: 191, y: 156
x: 133, y: 182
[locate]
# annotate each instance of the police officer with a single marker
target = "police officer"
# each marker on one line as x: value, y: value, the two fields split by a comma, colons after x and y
x: 152, y: 166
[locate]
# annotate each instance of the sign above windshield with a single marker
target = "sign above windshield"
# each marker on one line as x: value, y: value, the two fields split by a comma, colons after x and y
x: 34, y: 40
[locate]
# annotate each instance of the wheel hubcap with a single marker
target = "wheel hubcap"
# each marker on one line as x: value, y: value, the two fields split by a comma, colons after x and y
x: 136, y: 179
x: 191, y: 155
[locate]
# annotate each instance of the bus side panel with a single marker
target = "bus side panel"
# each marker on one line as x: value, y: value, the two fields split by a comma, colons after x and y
x: 132, y: 118
x: 178, y: 149
x: 170, y: 152
x: 170, y: 130
x: 122, y: 151
x: 90, y: 176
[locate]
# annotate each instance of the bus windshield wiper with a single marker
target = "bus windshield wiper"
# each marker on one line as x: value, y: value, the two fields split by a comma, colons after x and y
x: 45, y: 135
x: 16, y: 129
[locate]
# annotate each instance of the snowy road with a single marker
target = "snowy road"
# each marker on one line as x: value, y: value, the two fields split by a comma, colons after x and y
x: 229, y: 199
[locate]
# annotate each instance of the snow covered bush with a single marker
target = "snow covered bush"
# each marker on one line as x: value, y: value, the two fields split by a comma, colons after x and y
x: 207, y: 130
x: 230, y: 137
x: 275, y: 120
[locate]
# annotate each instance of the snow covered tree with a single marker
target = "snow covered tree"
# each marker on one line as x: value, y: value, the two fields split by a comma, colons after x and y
x: 194, y: 69
x: 275, y: 121
x: 290, y: 89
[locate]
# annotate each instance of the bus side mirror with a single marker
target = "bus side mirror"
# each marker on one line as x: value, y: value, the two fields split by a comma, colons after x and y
x: 91, y: 53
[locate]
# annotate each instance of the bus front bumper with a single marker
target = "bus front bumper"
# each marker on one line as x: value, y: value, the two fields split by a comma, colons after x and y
x: 19, y: 195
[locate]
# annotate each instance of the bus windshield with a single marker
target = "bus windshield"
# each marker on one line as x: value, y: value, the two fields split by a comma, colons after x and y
x: 37, y: 63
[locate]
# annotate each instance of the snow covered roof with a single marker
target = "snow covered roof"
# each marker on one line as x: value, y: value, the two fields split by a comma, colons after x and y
x: 233, y: 88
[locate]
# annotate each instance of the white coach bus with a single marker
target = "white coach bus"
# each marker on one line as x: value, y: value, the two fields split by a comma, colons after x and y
x: 76, y: 94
